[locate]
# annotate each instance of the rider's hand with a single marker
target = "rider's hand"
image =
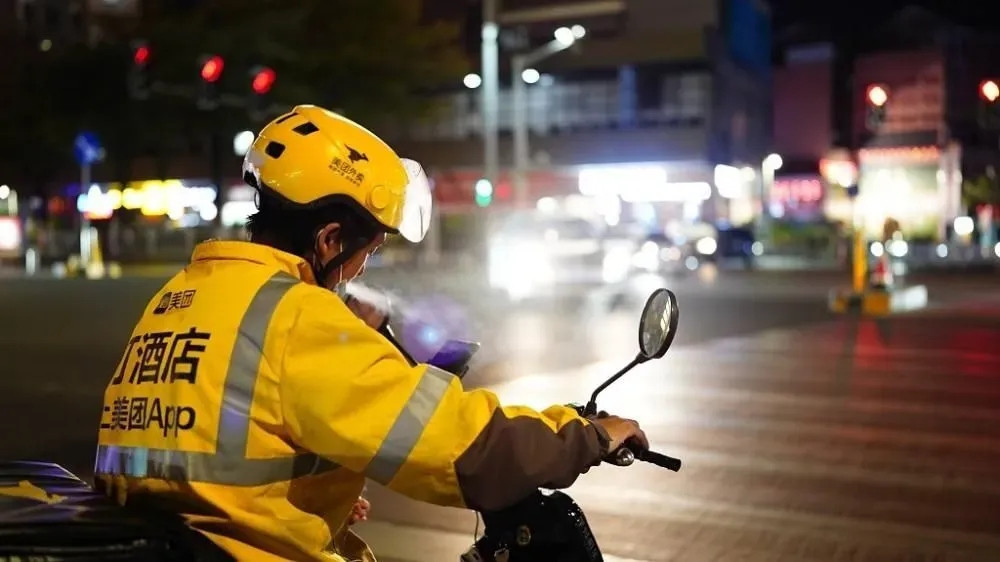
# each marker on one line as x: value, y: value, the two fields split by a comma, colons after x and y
x: 367, y: 312
x: 621, y: 430
x: 360, y: 511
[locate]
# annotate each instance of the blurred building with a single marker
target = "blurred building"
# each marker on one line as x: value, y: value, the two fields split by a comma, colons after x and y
x: 66, y: 23
x: 670, y: 87
x: 909, y: 150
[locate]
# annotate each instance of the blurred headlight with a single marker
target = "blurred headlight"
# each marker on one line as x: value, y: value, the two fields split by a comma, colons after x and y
x: 898, y: 248
x: 616, y: 265
x: 706, y: 246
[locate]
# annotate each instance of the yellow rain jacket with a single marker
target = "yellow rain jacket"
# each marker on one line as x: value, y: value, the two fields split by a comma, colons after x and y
x: 255, y: 404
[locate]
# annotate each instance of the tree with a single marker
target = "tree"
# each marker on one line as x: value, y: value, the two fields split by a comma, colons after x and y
x: 984, y: 189
x: 363, y: 57
x: 367, y: 58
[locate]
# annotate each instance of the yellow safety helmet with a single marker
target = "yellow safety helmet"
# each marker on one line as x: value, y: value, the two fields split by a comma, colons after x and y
x: 312, y: 156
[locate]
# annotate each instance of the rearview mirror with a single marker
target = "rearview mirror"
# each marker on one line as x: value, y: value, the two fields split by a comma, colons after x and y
x: 658, y: 324
x: 657, y: 329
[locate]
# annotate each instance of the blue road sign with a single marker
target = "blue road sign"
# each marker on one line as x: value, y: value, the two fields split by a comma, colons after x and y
x: 86, y: 148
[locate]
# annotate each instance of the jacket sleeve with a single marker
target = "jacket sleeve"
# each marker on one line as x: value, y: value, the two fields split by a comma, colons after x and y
x: 348, y: 395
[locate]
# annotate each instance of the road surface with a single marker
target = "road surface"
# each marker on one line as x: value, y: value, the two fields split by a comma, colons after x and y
x: 804, y: 436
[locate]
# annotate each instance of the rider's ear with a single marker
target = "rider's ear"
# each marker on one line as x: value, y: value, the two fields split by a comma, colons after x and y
x: 328, y: 243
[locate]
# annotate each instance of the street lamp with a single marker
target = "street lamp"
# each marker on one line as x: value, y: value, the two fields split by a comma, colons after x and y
x: 242, y: 142
x: 564, y: 37
x: 472, y: 81
x: 490, y: 91
x: 768, y: 166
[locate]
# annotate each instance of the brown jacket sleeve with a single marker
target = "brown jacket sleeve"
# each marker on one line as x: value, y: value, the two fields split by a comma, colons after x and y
x: 517, y: 453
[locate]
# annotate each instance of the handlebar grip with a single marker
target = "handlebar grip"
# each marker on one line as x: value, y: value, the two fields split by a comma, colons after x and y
x: 659, y: 459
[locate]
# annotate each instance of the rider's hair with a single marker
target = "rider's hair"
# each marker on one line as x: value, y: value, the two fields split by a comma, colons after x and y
x: 293, y: 229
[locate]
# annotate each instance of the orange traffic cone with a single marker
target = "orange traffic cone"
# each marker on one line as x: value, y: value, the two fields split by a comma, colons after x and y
x: 881, y: 277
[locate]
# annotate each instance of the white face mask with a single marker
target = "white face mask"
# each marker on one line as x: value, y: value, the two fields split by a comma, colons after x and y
x: 341, y: 287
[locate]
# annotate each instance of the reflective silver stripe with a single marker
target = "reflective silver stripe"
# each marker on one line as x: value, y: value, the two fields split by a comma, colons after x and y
x: 228, y: 465
x: 186, y: 466
x: 409, y: 425
x: 237, y: 394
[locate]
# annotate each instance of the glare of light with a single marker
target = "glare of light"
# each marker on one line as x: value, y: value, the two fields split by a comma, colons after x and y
x: 4, y: 191
x: 898, y: 248
x: 942, y: 250
x: 551, y: 235
x: 648, y: 257
x: 964, y: 226
x: 996, y: 249
x: 773, y: 161
x: 45, y: 45
x: 989, y: 90
x: 235, y: 213
x: 547, y: 205
x: 748, y: 173
x: 877, y: 249
x: 472, y: 81
x: 691, y: 263
x: 579, y: 32
x: 706, y: 246
x: 490, y: 31
x: 131, y: 198
x: 242, y: 142
x: 616, y: 266
x: 484, y: 188
x: 877, y: 95
x: 530, y: 75
x: 10, y: 234
x: 729, y: 181
x: 208, y: 212
x: 175, y: 212
x: 757, y: 248
x: 565, y: 36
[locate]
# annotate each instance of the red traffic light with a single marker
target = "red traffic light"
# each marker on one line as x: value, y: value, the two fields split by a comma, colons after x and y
x: 211, y: 69
x: 989, y: 90
x: 263, y: 80
x: 141, y: 55
x: 877, y: 94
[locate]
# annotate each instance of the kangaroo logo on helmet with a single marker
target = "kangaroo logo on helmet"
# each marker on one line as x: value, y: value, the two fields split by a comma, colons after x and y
x: 354, y: 155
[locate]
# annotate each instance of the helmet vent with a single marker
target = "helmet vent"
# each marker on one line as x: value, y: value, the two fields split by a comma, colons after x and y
x: 274, y: 149
x: 306, y: 129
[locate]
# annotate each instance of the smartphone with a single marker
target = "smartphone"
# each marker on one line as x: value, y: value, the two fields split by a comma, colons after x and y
x: 454, y: 356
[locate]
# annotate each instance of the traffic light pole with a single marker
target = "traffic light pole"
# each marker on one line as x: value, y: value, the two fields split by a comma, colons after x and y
x: 490, y: 91
x: 84, y: 222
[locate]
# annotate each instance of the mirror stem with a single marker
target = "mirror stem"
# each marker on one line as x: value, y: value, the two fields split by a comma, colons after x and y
x: 591, y: 408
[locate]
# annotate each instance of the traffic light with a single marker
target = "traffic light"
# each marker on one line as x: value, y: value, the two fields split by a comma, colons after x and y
x: 484, y: 192
x: 989, y: 104
x: 876, y: 99
x: 262, y: 81
x: 211, y: 71
x: 138, y: 79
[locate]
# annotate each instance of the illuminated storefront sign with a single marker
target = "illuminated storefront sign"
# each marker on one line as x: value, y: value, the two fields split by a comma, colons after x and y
x: 797, y: 197
x: 173, y: 198
x: 10, y: 236
x: 640, y: 183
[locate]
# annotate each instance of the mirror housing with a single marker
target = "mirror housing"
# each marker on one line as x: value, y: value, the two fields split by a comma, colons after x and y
x: 658, y: 324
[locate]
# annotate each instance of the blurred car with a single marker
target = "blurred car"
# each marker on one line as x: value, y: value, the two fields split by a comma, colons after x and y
x: 687, y: 247
x: 535, y: 253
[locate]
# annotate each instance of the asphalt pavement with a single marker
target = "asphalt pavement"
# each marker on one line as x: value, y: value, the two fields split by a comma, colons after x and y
x: 805, y: 436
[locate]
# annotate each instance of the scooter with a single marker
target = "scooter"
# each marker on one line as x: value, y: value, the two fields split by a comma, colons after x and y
x: 48, y: 513
x: 548, y: 525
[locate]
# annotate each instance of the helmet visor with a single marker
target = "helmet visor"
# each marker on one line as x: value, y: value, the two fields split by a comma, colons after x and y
x: 417, y: 203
